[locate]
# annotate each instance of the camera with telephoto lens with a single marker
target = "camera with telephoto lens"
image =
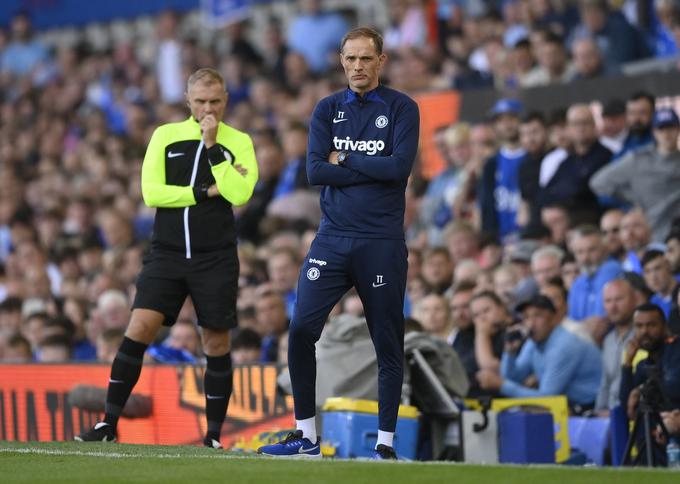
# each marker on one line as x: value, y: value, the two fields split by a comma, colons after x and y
x: 651, y: 391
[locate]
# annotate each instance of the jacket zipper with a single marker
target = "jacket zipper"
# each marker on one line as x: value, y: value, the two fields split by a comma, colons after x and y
x: 187, y: 236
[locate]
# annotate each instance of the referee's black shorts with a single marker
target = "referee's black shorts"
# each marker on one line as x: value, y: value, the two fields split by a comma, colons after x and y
x: 211, y: 279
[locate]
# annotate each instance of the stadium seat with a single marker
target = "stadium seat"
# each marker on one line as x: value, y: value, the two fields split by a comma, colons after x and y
x: 590, y: 436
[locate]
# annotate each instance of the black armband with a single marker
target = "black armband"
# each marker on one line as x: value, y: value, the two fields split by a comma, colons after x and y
x: 217, y: 155
x: 201, y: 192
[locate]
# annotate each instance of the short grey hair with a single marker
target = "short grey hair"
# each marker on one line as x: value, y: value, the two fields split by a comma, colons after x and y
x: 548, y: 251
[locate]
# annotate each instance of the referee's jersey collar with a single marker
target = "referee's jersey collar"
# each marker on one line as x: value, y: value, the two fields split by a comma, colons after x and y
x: 372, y: 95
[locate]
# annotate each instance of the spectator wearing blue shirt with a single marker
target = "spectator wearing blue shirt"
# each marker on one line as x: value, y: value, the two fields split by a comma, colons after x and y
x: 636, y: 236
x: 656, y: 270
x: 585, y: 296
x: 23, y: 54
x: 563, y: 363
x: 316, y: 34
x: 499, y: 193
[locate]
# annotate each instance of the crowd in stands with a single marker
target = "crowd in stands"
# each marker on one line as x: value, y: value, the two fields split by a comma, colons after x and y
x: 528, y: 253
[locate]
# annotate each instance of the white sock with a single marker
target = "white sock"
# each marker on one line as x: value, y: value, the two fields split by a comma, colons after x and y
x: 385, y: 438
x: 308, y: 427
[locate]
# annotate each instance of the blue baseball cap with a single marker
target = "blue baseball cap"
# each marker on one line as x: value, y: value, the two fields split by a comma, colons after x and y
x: 506, y: 106
x: 664, y: 118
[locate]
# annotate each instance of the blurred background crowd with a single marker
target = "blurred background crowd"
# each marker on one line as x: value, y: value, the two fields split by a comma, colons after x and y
x: 579, y: 204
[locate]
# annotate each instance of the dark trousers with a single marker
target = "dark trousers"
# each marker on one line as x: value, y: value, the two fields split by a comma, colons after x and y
x: 377, y: 269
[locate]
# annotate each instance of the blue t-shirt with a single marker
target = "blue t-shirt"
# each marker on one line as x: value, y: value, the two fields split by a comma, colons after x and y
x: 585, y: 295
x: 507, y: 193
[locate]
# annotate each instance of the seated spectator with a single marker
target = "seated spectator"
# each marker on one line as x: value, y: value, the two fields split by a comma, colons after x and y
x: 673, y: 251
x: 610, y: 226
x: 461, y: 241
x: 635, y: 237
x: 585, y: 295
x: 246, y: 346
x: 556, y: 217
x: 108, y: 342
x: 17, y: 350
x: 613, y: 131
x: 546, y: 264
x: 649, y: 177
x: 663, y: 361
x: 554, y: 289
x: 588, y: 60
x: 10, y: 314
x: 505, y: 279
x: 56, y: 348
x: 432, y: 312
x: 570, y: 271
x: 23, y: 53
x: 553, y: 64
x: 619, y: 303
x: 467, y: 270
x: 639, y: 116
x: 436, y: 209
x: 462, y: 338
x: 491, y: 318
x: 437, y: 269
x: 656, y: 271
x: 184, y: 336
x: 272, y: 322
x: 562, y: 363
x: 619, y: 41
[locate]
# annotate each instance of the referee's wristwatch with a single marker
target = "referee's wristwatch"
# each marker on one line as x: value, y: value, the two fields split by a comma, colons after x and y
x: 342, y: 156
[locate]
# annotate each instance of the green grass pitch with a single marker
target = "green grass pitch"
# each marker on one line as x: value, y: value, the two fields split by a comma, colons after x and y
x: 71, y: 462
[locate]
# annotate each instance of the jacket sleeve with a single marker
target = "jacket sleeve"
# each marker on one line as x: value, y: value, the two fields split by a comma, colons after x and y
x: 397, y: 166
x: 485, y: 197
x: 234, y: 187
x: 155, y: 191
x: 614, y: 179
x: 319, y: 170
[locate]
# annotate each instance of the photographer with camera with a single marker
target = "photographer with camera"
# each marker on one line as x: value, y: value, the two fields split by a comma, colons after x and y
x: 653, y: 386
x: 562, y: 363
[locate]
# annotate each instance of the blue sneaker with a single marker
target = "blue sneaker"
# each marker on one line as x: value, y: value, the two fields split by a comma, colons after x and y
x: 294, y: 445
x: 383, y: 452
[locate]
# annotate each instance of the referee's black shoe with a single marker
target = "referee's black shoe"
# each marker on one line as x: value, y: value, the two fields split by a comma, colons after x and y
x: 101, y: 432
x: 212, y: 443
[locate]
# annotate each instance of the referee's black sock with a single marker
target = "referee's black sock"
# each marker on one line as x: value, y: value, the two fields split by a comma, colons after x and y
x: 218, y: 384
x: 124, y: 375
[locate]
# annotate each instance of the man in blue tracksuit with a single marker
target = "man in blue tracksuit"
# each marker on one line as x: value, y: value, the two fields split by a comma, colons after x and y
x: 362, y: 143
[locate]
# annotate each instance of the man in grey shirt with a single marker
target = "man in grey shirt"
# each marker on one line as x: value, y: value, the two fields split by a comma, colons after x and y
x: 619, y: 303
x: 648, y: 177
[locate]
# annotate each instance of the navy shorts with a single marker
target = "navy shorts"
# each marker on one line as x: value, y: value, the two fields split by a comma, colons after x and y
x: 211, y: 279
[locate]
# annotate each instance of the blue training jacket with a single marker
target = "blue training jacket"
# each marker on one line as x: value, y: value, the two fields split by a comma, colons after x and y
x: 364, y: 197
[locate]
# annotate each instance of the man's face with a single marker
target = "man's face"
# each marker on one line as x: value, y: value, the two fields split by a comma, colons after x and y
x: 557, y: 221
x: 673, y: 254
x: 581, y: 126
x: 184, y: 337
x: 283, y: 272
x: 433, y: 313
x: 588, y: 252
x: 507, y: 127
x: 362, y: 64
x: 556, y: 296
x: 460, y: 309
x: 635, y: 232
x: 667, y: 138
x: 437, y: 269
x: 609, y: 226
x: 270, y: 312
x: 206, y: 98
x: 619, y: 302
x: 639, y: 115
x: 587, y: 58
x: 533, y: 136
x: 539, y: 322
x: 545, y: 268
x: 486, y: 312
x: 658, y: 275
x: 650, y: 329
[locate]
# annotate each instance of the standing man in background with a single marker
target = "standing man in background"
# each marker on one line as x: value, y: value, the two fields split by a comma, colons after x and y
x: 193, y: 172
x: 362, y: 144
